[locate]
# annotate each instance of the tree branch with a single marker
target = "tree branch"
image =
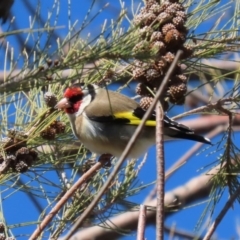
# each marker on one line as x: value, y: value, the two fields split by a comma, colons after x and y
x: 195, y: 189
x: 227, y: 67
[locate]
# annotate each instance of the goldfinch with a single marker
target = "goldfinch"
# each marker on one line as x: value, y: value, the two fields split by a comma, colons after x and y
x: 104, y: 121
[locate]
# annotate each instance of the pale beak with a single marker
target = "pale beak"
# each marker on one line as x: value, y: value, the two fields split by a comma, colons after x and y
x: 63, y: 103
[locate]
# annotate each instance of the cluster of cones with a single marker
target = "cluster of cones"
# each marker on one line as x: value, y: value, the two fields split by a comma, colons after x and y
x: 17, y: 155
x: 49, y: 64
x: 2, y: 231
x: 50, y: 132
x: 162, y: 32
x: 56, y: 127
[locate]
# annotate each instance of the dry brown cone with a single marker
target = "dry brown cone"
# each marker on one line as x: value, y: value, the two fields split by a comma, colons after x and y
x: 146, y: 32
x: 164, y: 18
x: 142, y: 90
x: 22, y: 151
x: 56, y: 62
x: 155, y: 8
x: 181, y: 78
x: 49, y: 133
x: 138, y: 19
x: 174, y: 8
x: 141, y: 47
x: 165, y: 61
x: 146, y: 102
x: 181, y: 14
x: 139, y: 75
x: 49, y: 62
x: 1, y: 159
x: 187, y: 51
x: 156, y: 36
x: 2, y: 227
x: 21, y: 166
x: 21, y: 160
x: 169, y: 57
x: 162, y: 66
x: 5, y: 10
x: 167, y: 27
x: 152, y: 74
x: 28, y: 160
x: 12, y: 160
x: 178, y: 22
x: 158, y: 48
x: 168, y: 34
x: 149, y: 18
x: 33, y: 154
x: 12, y: 145
x: 150, y: 3
x: 25, y: 152
x: 165, y: 5
x: 50, y: 99
x: 174, y: 38
x: 177, y: 93
x: 58, y: 126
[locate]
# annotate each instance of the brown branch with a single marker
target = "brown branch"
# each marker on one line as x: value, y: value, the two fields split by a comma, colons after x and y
x: 160, y: 173
x: 209, y: 122
x: 10, y: 143
x: 181, y: 233
x: 141, y: 223
x: 191, y: 151
x: 18, y: 80
x: 66, y: 196
x: 227, y: 67
x: 182, y: 160
x: 196, y: 189
x: 219, y: 218
x: 127, y: 149
x: 200, y: 125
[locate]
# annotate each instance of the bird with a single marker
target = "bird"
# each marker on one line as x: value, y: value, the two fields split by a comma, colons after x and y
x: 104, y: 121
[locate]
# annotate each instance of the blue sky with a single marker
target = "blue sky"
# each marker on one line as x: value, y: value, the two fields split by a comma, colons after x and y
x: 17, y: 208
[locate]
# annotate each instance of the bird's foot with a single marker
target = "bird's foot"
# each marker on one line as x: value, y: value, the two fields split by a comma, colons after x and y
x: 106, y: 157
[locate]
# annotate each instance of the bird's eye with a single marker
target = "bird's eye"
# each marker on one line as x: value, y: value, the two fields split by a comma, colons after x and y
x: 76, y: 98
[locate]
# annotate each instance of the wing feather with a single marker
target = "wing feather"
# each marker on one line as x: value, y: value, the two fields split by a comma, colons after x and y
x: 123, y: 110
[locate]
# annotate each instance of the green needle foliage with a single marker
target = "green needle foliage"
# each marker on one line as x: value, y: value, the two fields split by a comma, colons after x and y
x: 107, y: 57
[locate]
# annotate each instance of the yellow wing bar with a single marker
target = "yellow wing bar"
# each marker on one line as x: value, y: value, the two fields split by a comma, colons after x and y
x: 133, y: 120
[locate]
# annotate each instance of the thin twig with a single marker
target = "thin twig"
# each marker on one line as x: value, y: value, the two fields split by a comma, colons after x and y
x: 141, y: 223
x: 229, y: 68
x: 194, y: 190
x: 67, y: 195
x: 182, y: 160
x: 191, y: 151
x: 209, y: 107
x: 4, y: 166
x: 219, y: 218
x: 181, y: 234
x: 160, y: 173
x: 151, y: 195
x: 171, y: 232
x: 126, y: 150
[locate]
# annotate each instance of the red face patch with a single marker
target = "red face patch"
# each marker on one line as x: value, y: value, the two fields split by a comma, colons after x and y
x: 73, y: 109
x: 72, y: 91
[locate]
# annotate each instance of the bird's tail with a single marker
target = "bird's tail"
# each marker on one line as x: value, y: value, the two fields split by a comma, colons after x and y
x: 192, y: 136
